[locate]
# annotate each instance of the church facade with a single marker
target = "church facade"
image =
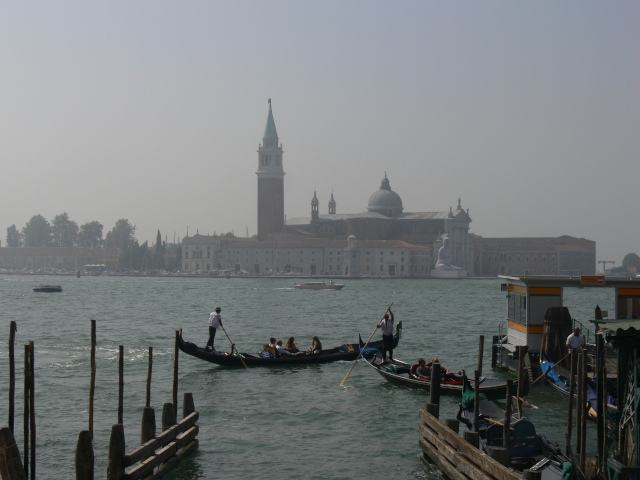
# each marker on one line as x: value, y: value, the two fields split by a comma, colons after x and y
x: 382, y: 241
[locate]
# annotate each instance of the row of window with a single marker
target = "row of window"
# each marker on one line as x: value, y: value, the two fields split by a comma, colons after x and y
x: 503, y: 258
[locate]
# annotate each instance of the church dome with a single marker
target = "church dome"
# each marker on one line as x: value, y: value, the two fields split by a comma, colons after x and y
x: 385, y: 201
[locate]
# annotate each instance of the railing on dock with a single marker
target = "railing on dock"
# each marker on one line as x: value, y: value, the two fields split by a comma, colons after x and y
x: 174, y: 443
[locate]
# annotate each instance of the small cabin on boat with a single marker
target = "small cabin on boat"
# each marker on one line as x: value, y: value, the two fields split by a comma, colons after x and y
x: 529, y: 298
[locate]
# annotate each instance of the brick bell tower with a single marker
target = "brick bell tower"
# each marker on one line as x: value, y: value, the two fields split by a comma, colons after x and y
x: 270, y: 182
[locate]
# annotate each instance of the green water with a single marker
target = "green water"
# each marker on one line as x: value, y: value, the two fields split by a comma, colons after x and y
x: 258, y: 422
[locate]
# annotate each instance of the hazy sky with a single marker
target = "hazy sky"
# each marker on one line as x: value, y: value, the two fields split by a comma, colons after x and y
x: 153, y: 112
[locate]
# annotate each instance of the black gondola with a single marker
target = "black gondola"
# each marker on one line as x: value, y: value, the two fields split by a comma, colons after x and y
x: 347, y: 351
x: 47, y: 288
x: 527, y: 448
x: 400, y: 373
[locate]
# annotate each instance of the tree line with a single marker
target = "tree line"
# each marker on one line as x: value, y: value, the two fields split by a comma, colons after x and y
x: 63, y: 232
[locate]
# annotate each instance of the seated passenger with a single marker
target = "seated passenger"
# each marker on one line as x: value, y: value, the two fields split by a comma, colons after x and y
x: 291, y: 346
x: 280, y: 349
x: 423, y: 371
x: 316, y: 345
x: 271, y: 347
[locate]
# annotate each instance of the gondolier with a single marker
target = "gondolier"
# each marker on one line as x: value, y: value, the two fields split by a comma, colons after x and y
x: 575, y: 340
x: 386, y: 325
x: 215, y: 322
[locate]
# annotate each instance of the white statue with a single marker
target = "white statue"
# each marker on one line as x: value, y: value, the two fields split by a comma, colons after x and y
x: 444, y: 257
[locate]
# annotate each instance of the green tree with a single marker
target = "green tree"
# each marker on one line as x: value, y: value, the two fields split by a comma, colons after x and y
x: 37, y: 232
x: 90, y: 235
x: 14, y: 238
x: 121, y: 235
x: 64, y: 232
x: 629, y: 260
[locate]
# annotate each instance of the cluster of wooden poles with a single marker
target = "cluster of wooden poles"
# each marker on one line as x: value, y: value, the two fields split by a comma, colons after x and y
x: 177, y: 440
x: 454, y: 456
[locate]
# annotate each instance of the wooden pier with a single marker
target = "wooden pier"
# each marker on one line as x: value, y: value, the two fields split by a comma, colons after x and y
x: 156, y: 455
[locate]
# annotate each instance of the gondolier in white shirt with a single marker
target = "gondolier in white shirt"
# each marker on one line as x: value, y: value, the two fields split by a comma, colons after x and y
x: 386, y: 325
x: 575, y: 340
x: 215, y: 322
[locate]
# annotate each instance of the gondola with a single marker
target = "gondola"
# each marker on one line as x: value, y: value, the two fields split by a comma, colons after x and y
x: 527, y: 448
x: 347, y: 351
x: 560, y: 379
x: 400, y: 373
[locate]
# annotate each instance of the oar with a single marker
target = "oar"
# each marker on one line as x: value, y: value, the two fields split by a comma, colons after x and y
x: 233, y: 345
x: 495, y: 421
x: 550, y: 368
x: 365, y: 346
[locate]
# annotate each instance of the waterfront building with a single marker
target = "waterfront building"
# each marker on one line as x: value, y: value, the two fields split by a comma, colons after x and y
x: 383, y: 240
x: 563, y: 255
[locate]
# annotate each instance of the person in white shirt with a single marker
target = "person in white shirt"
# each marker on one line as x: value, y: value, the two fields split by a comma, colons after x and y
x: 386, y: 325
x: 215, y: 322
x: 575, y: 340
x: 281, y: 350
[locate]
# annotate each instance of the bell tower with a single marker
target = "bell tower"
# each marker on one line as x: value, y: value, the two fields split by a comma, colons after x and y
x: 270, y: 182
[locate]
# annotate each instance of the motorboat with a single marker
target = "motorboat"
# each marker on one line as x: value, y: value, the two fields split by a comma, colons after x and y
x: 319, y: 286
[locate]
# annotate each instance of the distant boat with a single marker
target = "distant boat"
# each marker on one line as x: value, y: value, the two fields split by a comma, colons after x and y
x: 319, y: 286
x: 47, y: 288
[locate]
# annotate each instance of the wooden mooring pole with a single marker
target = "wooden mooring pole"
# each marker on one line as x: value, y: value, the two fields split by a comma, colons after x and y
x: 32, y: 407
x: 25, y: 424
x: 583, y: 430
x: 480, y: 353
x: 13, y: 328
x: 175, y: 374
x: 476, y: 401
x: 572, y: 389
x: 436, y: 375
x: 121, y: 386
x: 522, y: 351
x: 92, y: 385
x: 579, y: 403
x: 149, y: 377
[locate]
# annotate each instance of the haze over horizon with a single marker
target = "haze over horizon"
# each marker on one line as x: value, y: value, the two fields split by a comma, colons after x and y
x: 153, y: 112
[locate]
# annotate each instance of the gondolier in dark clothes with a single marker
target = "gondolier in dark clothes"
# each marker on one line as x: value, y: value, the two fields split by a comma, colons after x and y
x: 386, y: 325
x: 215, y: 322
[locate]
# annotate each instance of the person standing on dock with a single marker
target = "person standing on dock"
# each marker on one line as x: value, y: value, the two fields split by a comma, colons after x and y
x: 575, y: 340
x: 215, y: 322
x: 386, y: 325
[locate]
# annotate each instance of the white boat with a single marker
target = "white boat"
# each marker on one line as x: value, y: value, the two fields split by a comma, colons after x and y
x: 320, y: 286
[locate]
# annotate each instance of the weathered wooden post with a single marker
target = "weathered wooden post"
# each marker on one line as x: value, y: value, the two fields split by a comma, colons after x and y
x: 175, y: 374
x: 168, y: 416
x: 149, y: 377
x: 121, y: 386
x: 579, y: 403
x: 433, y: 409
x: 472, y: 437
x: 84, y: 456
x: 436, y: 375
x: 117, y: 452
x: 148, y: 414
x: 92, y: 386
x: 148, y: 425
x: 501, y: 454
x: 13, y: 328
x: 11, y: 465
x: 25, y: 424
x: 572, y: 389
x: 480, y: 353
x: 521, y: 353
x: 32, y: 407
x: 476, y: 401
x: 583, y: 430
x: 188, y: 407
